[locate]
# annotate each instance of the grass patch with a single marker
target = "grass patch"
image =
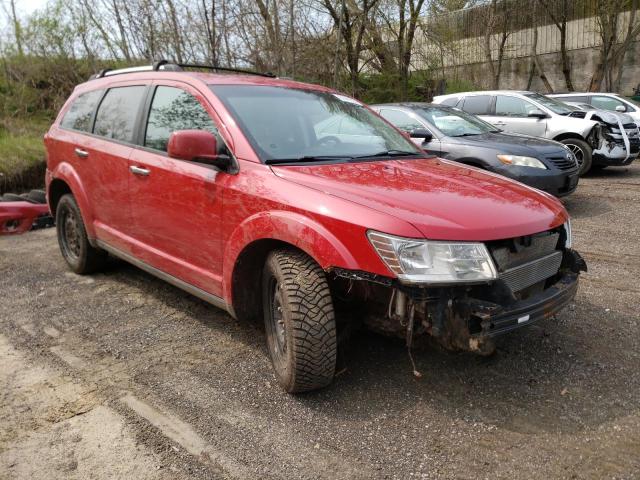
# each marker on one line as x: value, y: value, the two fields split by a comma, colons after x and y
x: 22, y: 156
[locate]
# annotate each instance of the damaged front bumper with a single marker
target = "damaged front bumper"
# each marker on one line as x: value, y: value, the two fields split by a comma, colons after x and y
x: 463, y: 317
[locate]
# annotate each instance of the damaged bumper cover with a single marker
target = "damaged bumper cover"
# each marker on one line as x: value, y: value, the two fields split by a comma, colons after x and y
x: 495, y: 319
x: 467, y: 317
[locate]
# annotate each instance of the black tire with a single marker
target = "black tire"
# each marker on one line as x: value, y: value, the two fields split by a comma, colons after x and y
x: 12, y: 197
x: 37, y: 196
x: 299, y: 321
x: 582, y: 151
x: 72, y: 237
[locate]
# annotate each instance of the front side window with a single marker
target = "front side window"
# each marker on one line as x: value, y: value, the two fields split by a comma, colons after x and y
x: 454, y: 123
x: 80, y: 113
x: 291, y: 124
x: 513, y: 106
x: 606, y: 103
x: 116, y: 117
x: 477, y: 104
x: 400, y: 119
x: 174, y: 109
x: 552, y: 104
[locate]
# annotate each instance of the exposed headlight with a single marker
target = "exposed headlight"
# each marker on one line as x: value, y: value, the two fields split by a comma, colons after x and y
x: 425, y: 261
x: 567, y: 229
x: 521, y: 161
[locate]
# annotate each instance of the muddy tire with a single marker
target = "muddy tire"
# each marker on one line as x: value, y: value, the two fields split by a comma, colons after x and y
x: 299, y: 321
x: 72, y: 237
x: 582, y: 151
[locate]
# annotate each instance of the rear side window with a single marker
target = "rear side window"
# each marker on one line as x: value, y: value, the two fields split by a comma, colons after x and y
x: 401, y: 120
x: 477, y: 105
x: 116, y: 117
x: 80, y: 114
x: 174, y: 109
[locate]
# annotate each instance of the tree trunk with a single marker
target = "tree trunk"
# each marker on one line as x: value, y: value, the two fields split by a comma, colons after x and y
x: 566, y: 67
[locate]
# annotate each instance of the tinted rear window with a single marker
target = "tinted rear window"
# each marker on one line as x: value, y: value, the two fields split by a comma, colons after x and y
x: 478, y: 104
x: 116, y: 117
x: 80, y: 114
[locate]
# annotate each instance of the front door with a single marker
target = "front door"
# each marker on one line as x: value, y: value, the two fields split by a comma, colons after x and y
x: 177, y: 205
x: 512, y: 115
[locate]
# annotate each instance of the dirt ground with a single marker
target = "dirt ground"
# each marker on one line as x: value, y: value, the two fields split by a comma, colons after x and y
x: 119, y: 375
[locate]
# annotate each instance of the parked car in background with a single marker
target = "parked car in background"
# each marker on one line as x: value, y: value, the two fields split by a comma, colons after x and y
x: 456, y: 135
x: 533, y: 114
x: 299, y: 206
x: 603, y: 101
x: 620, y: 139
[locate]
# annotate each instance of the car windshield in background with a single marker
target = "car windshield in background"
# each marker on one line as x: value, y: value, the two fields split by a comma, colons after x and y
x: 306, y: 125
x: 556, y: 106
x: 454, y: 123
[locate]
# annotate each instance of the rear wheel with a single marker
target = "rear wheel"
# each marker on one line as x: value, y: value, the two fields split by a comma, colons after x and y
x: 73, y: 240
x: 299, y: 321
x: 582, y: 151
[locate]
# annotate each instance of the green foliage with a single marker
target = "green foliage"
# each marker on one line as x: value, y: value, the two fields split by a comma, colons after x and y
x: 22, y: 152
x: 456, y: 85
x: 384, y: 88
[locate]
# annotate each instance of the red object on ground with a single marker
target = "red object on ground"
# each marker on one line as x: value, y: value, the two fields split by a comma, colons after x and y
x: 18, y: 217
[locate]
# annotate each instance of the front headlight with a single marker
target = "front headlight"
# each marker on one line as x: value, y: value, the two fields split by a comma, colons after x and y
x: 567, y: 230
x: 521, y: 161
x: 425, y: 261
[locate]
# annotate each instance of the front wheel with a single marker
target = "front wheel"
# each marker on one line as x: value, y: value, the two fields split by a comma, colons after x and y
x: 299, y: 321
x: 582, y: 151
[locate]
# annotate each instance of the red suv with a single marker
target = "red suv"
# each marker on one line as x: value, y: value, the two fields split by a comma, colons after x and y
x: 294, y: 203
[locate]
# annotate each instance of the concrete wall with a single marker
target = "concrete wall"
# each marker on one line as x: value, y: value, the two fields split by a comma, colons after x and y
x: 515, y: 71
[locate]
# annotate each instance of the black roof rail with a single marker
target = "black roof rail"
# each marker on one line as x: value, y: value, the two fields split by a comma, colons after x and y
x: 175, y: 67
x: 225, y: 69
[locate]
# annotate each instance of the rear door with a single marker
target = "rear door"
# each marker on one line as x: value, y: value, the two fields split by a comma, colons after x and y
x: 176, y: 204
x: 105, y: 158
x: 511, y: 114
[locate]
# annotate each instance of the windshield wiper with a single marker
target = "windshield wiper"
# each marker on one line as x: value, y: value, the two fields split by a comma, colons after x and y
x: 389, y: 153
x: 467, y: 134
x: 306, y: 158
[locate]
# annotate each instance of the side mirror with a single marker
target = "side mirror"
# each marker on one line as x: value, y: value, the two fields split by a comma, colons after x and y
x: 421, y: 133
x: 620, y: 108
x: 537, y: 114
x: 197, y: 146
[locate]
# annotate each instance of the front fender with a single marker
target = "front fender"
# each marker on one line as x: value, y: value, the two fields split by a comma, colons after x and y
x: 301, y: 231
x: 64, y: 171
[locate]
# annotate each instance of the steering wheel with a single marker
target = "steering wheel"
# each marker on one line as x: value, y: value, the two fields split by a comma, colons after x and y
x: 329, y: 141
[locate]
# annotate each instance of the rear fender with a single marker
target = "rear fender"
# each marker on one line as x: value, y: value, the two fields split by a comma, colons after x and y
x: 293, y: 228
x: 65, y: 172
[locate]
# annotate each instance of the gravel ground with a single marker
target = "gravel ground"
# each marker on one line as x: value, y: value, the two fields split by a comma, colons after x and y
x: 119, y: 375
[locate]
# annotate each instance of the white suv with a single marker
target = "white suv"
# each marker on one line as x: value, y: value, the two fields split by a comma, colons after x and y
x: 603, y: 101
x: 533, y: 114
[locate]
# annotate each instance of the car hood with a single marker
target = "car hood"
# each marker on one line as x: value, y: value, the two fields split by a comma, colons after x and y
x: 512, y: 143
x: 443, y: 200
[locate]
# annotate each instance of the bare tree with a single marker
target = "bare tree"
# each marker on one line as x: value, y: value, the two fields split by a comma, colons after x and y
x: 558, y: 11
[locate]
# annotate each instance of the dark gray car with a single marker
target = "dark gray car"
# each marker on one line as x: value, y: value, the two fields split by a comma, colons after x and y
x: 456, y: 135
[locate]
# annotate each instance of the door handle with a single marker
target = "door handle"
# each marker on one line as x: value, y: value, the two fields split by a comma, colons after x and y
x: 81, y: 153
x: 143, y: 172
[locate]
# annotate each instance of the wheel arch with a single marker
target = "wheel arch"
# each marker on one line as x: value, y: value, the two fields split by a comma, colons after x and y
x: 568, y: 135
x: 248, y: 247
x: 66, y: 180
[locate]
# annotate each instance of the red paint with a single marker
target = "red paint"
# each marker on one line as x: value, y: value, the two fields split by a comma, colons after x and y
x: 18, y: 217
x: 192, y: 221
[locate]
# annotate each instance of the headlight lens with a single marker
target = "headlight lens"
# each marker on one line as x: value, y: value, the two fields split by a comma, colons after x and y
x: 424, y: 261
x: 521, y: 161
x: 567, y: 229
